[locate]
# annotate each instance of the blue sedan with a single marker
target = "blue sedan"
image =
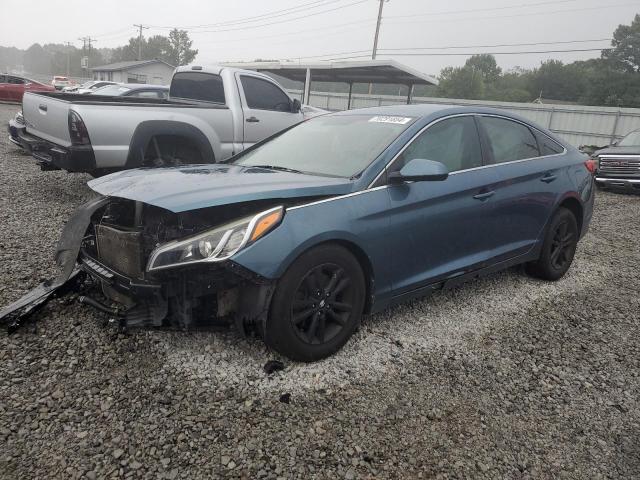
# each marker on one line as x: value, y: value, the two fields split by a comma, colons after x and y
x: 297, y: 237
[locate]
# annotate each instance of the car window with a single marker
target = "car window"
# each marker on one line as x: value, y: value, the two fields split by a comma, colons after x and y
x: 145, y: 94
x: 548, y: 146
x: 16, y: 80
x: 3, y: 79
x: 454, y: 142
x: 630, y: 140
x: 509, y: 140
x: 264, y: 95
x: 200, y: 86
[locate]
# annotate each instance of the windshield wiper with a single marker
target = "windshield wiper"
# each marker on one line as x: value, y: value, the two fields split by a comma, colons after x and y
x: 276, y: 167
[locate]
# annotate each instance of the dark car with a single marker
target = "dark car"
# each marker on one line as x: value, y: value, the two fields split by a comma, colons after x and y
x: 139, y: 90
x: 12, y: 87
x: 618, y: 165
x: 345, y: 214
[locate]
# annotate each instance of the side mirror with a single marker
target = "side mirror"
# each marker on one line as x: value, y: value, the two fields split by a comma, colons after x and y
x: 296, y: 106
x: 420, y: 170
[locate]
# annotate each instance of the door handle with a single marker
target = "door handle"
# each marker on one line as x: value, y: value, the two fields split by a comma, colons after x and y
x: 252, y: 120
x: 548, y: 178
x: 42, y: 107
x: 484, y: 195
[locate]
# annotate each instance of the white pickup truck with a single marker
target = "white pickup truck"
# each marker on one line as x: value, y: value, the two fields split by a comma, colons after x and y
x: 211, y: 114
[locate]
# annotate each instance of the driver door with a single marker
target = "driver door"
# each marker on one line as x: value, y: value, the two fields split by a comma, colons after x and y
x: 438, y: 229
x: 266, y: 108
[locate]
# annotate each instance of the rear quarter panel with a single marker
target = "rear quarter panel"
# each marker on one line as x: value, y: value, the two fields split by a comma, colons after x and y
x: 111, y: 127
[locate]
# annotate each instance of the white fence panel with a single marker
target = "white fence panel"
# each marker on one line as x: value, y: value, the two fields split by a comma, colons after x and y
x: 577, y: 124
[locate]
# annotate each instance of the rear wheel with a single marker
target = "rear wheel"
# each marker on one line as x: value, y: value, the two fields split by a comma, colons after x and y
x: 559, y: 247
x: 170, y: 151
x: 317, y: 305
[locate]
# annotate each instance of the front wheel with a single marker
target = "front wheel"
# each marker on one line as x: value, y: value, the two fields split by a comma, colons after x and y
x: 559, y: 247
x: 317, y: 304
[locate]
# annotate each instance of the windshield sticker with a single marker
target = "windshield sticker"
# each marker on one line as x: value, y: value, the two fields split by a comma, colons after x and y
x: 389, y: 119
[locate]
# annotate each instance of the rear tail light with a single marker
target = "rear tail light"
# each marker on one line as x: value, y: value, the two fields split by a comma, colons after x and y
x: 592, y: 165
x: 77, y: 130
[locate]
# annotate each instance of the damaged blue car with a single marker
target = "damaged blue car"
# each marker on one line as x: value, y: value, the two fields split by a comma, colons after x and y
x: 346, y: 214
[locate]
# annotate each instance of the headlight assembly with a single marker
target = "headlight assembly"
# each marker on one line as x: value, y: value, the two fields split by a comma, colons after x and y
x: 217, y: 244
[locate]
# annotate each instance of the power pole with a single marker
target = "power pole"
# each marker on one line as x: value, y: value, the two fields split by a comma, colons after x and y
x: 375, y: 39
x: 86, y: 41
x: 68, y: 44
x: 140, y: 26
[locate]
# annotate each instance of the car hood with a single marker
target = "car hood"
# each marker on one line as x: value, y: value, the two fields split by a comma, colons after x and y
x: 614, y: 150
x: 180, y: 189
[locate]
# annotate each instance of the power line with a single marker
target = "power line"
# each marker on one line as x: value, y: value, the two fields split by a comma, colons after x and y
x: 284, y: 20
x: 468, y: 54
x: 497, y: 45
x: 491, y: 9
x: 264, y: 16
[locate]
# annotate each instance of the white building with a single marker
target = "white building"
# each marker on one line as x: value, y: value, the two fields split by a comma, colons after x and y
x: 156, y: 72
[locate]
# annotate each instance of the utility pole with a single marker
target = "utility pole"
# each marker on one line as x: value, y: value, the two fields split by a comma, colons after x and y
x: 86, y: 41
x: 68, y: 44
x: 375, y: 39
x: 140, y: 26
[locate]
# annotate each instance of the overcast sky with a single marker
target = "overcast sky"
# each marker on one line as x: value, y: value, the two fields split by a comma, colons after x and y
x: 288, y: 29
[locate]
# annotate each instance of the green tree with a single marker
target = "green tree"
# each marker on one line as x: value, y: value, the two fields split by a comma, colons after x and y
x: 485, y: 64
x: 626, y: 47
x: 181, y: 52
x: 461, y: 82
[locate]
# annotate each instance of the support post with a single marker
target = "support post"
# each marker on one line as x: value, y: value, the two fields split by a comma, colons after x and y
x: 615, y: 127
x: 410, y: 94
x: 350, y: 93
x: 307, y: 87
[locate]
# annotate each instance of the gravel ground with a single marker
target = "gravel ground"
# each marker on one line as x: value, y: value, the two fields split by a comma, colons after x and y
x: 507, y: 377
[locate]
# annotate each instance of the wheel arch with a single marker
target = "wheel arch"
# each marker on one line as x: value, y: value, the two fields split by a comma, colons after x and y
x: 575, y: 207
x: 145, y: 131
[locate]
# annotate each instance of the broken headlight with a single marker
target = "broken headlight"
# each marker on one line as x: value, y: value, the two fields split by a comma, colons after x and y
x: 217, y: 244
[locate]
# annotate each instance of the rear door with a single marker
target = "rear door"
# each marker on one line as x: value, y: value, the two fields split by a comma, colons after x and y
x: 4, y: 96
x: 15, y: 88
x: 266, y: 108
x: 527, y: 184
x: 437, y: 229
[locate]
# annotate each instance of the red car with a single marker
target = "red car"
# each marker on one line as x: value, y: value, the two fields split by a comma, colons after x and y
x: 12, y: 87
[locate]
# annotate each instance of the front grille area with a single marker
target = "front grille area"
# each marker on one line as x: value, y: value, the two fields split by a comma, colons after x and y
x: 120, y: 250
x: 623, y: 165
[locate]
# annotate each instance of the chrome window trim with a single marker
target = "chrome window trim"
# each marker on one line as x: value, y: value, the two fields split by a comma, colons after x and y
x: 422, y: 130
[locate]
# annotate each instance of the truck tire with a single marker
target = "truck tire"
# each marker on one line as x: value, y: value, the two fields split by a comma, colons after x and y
x: 166, y: 152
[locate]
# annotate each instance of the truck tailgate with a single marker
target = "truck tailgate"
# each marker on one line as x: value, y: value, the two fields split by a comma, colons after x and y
x: 47, y: 117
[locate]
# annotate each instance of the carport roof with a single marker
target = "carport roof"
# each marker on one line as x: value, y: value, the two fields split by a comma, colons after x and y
x: 371, y: 71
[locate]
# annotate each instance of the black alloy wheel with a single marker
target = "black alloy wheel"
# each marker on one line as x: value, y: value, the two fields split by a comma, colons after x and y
x: 559, y: 247
x: 317, y: 305
x: 322, y: 304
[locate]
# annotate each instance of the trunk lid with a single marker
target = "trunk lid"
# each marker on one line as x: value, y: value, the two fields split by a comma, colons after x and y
x: 47, y: 117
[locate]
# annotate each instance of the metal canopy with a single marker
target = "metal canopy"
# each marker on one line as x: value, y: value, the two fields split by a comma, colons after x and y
x: 371, y: 71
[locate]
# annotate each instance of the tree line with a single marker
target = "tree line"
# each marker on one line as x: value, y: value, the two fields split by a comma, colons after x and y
x: 51, y: 58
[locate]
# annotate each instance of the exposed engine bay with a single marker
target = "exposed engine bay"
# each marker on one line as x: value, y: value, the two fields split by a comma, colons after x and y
x: 104, y: 252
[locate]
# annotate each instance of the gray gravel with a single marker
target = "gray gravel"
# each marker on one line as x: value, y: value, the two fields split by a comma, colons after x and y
x: 507, y: 377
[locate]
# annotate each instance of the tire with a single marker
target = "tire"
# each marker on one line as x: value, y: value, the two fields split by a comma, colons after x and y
x: 171, y: 153
x: 305, y: 325
x: 559, y: 247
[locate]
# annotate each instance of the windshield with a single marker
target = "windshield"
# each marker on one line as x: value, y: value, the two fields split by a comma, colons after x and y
x: 112, y: 90
x: 631, y: 140
x: 340, y: 145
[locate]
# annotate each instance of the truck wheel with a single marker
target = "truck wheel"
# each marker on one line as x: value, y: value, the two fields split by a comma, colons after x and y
x: 559, y: 247
x: 168, y: 153
x: 317, y: 304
